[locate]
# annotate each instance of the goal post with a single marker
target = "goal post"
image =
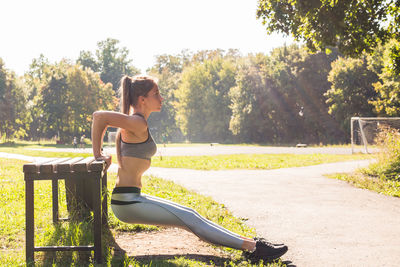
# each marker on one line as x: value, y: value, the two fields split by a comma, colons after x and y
x: 365, y: 129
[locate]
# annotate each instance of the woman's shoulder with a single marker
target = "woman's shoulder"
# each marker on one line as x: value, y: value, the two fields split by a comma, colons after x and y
x: 131, y: 122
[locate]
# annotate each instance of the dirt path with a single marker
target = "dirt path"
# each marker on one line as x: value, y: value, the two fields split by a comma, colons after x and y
x: 325, y: 222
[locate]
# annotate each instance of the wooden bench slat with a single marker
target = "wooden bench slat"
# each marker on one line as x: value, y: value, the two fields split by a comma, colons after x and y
x: 49, y: 167
x: 97, y: 165
x: 66, y: 166
x: 34, y: 166
x: 82, y: 166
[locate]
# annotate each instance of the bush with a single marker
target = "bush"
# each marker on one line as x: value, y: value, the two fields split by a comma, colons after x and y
x: 388, y: 164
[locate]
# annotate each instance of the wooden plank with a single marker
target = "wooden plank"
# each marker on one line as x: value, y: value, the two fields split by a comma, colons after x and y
x: 34, y: 166
x: 82, y: 166
x: 97, y: 165
x: 48, y: 167
x: 65, y: 248
x: 66, y: 166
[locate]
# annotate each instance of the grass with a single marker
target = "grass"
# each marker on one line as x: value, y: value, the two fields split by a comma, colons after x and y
x: 382, y: 176
x: 216, y: 162
x: 251, y: 161
x: 12, y: 224
x: 379, y: 185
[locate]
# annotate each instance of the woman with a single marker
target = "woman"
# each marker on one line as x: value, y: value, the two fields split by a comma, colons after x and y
x: 140, y: 97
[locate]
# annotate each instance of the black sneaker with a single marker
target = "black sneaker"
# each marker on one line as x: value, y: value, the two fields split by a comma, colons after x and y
x: 265, y: 251
x: 263, y: 240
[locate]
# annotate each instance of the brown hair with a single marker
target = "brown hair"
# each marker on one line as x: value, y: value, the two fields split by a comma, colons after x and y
x: 130, y: 90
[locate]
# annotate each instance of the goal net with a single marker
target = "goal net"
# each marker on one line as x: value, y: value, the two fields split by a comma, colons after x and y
x: 364, y: 131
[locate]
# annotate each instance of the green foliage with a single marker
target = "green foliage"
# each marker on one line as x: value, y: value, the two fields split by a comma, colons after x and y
x: 382, y: 176
x: 284, y: 97
x: 202, y: 106
x: 351, y: 90
x: 388, y: 165
x: 352, y: 26
x: 66, y: 97
x: 382, y: 186
x: 111, y: 61
x: 272, y: 90
x: 13, y: 113
x: 167, y: 70
x: 387, y: 88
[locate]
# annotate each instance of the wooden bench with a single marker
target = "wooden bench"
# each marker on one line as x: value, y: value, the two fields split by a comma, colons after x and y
x: 85, y: 180
x: 301, y: 145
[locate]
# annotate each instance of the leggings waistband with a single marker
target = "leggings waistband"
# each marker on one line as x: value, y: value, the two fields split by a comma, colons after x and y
x: 126, y: 189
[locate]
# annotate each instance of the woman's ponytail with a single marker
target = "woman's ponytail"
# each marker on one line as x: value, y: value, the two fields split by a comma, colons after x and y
x: 125, y: 105
x: 126, y: 94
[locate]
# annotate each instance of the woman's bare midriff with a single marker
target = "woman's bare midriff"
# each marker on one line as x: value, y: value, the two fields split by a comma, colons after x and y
x: 130, y: 174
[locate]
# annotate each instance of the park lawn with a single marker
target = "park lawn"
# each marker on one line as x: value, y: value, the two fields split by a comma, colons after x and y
x: 361, y: 180
x: 27, y: 150
x: 12, y: 223
x: 215, y: 162
x: 251, y: 161
x: 376, y: 176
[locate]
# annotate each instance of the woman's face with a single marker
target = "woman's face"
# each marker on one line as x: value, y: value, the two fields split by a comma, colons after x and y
x: 154, y: 99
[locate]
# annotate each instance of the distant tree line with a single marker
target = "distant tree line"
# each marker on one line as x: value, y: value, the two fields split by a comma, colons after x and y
x: 285, y: 97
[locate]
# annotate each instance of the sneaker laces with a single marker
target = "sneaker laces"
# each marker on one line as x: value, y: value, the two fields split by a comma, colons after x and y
x: 264, y: 241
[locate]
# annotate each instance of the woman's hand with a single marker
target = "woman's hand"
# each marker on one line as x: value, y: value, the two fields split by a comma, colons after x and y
x: 106, y: 158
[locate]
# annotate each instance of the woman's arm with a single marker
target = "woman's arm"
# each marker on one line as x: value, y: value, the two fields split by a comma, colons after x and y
x: 104, y: 119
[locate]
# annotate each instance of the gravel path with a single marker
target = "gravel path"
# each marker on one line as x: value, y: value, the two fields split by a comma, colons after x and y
x: 325, y: 222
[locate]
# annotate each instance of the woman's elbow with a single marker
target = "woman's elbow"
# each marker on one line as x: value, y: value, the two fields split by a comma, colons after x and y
x: 101, y: 118
x: 96, y: 114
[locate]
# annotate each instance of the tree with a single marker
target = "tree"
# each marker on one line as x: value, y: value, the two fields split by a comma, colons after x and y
x: 351, y: 90
x: 387, y: 102
x: 352, y: 26
x: 279, y: 98
x: 111, y: 61
x: 32, y: 81
x: 250, y: 104
x: 167, y: 70
x: 13, y: 115
x: 67, y: 97
x: 202, y: 106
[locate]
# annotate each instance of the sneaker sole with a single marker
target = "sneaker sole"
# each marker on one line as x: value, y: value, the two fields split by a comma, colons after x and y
x: 277, y: 256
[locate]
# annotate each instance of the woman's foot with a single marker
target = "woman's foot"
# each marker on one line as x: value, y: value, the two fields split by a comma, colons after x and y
x: 265, y: 251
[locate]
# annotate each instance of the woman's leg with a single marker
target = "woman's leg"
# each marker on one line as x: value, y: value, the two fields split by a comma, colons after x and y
x: 152, y: 210
x: 144, y: 209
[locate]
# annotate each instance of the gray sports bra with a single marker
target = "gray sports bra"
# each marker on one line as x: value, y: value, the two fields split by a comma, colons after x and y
x: 143, y: 150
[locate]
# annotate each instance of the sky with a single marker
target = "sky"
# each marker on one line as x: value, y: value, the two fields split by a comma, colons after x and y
x: 147, y: 28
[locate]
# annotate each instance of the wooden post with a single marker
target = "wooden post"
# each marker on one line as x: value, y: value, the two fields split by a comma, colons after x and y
x: 54, y: 187
x: 97, y: 216
x: 29, y: 222
x: 104, y: 203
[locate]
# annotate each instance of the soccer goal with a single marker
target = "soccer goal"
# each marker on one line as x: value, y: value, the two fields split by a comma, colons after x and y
x: 364, y: 131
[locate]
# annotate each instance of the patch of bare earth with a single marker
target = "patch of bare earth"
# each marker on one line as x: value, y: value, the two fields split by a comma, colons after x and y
x: 168, y: 243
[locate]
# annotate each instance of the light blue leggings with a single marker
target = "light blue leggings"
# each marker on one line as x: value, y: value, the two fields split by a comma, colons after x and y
x: 130, y: 206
